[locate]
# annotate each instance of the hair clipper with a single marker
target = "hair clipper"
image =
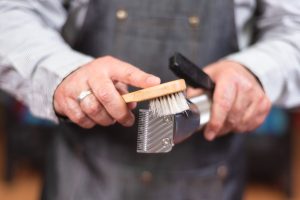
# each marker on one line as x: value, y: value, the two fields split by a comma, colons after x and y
x: 160, y: 134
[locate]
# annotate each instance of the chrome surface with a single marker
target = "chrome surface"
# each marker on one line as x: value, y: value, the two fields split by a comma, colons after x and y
x: 155, y: 134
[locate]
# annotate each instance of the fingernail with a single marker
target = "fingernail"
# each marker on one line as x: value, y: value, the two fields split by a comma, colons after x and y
x: 130, y: 121
x: 153, y: 80
x: 210, y: 135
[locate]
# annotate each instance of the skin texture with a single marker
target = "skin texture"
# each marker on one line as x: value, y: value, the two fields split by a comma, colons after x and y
x: 108, y: 78
x: 239, y: 101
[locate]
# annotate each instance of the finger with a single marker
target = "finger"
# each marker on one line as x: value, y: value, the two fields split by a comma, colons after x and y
x: 247, y: 118
x: 59, y: 102
x: 127, y: 73
x: 110, y: 98
x: 250, y: 119
x: 123, y: 89
x: 240, y: 106
x: 75, y: 114
x: 256, y: 114
x: 225, y: 130
x: 192, y: 92
x: 95, y: 111
x: 223, y: 99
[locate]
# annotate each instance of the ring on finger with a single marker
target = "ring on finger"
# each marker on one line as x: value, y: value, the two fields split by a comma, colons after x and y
x: 94, y: 110
x: 83, y: 94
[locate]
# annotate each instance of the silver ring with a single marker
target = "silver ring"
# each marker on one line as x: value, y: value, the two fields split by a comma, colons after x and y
x: 83, y: 94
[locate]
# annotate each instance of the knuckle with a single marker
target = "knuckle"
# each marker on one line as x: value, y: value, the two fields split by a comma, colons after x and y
x: 105, y: 62
x: 260, y: 97
x: 129, y: 72
x: 232, y: 121
x: 104, y: 96
x: 79, y: 118
x: 232, y: 72
x: 108, y: 57
x: 224, y: 104
x: 93, y: 109
x: 234, y: 75
x: 246, y: 86
x: 226, y: 98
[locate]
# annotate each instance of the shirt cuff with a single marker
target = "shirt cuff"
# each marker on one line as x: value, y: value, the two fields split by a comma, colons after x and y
x: 50, y: 74
x: 264, y: 67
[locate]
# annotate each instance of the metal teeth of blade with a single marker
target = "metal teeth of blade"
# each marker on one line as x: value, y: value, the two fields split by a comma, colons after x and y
x: 142, y: 130
x: 155, y: 134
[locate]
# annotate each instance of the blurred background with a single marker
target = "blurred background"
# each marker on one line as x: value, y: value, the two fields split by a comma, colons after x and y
x: 273, y: 154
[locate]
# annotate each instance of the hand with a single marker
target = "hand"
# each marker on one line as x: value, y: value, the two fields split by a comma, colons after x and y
x: 239, y: 102
x: 107, y: 78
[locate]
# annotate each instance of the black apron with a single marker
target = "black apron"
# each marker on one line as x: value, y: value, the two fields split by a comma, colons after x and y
x: 102, y: 163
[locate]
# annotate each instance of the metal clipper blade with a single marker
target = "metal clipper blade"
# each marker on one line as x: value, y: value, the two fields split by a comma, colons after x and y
x: 155, y: 134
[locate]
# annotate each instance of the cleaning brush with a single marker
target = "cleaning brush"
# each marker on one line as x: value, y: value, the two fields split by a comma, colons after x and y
x: 165, y: 99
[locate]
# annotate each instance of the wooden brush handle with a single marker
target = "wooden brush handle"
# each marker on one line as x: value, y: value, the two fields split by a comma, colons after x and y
x: 155, y: 91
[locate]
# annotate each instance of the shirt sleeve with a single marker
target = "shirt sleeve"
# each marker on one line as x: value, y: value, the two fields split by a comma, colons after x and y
x: 34, y: 58
x: 275, y: 56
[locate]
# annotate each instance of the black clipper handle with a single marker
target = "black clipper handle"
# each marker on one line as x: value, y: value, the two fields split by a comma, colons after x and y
x: 193, y: 75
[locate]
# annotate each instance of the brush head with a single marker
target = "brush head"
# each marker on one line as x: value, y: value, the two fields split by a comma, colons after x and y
x: 155, y: 91
x: 165, y: 99
x: 169, y: 104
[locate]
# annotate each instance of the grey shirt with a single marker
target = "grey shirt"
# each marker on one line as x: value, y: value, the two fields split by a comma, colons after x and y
x: 34, y: 58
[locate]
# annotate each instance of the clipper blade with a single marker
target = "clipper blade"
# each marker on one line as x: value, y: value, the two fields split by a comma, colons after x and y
x: 155, y: 134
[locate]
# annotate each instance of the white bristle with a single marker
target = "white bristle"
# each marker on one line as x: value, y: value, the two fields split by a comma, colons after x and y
x: 169, y: 104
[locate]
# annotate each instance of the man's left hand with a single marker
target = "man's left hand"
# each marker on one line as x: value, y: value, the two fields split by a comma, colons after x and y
x: 239, y: 101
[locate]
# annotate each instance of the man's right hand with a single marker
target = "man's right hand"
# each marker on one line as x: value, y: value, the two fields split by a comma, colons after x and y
x: 107, y: 78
